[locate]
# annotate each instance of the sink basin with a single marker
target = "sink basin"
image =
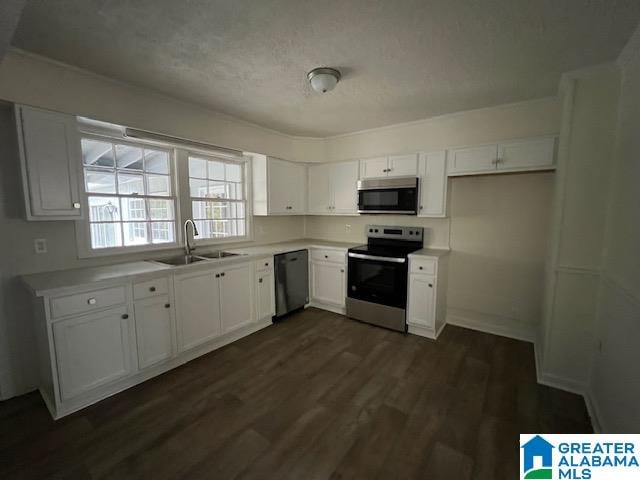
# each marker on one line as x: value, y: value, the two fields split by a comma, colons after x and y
x: 219, y: 254
x: 181, y: 260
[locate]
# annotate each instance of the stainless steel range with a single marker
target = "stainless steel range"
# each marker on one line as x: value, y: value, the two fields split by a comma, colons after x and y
x: 377, y: 278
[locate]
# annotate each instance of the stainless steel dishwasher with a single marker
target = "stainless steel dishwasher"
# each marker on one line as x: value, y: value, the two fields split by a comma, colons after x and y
x: 292, y: 281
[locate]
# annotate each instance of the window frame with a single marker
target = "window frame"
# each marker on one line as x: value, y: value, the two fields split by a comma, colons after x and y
x: 83, y: 226
x: 186, y: 199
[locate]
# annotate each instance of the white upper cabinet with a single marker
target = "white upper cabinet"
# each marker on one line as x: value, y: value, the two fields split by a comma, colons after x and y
x: 50, y: 161
x: 374, y: 167
x: 279, y: 187
x: 332, y: 188
x: 319, y: 193
x: 432, y: 168
x: 517, y: 155
x: 527, y: 154
x: 403, y: 165
x: 465, y: 161
x: 392, y: 166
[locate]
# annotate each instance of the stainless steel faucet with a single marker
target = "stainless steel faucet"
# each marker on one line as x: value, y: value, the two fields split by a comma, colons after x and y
x: 188, y: 248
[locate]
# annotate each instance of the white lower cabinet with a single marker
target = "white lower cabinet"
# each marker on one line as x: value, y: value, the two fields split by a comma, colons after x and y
x: 426, y: 303
x: 197, y: 308
x: 265, y: 290
x: 94, y: 350
x: 236, y: 296
x: 154, y: 330
x: 328, y: 280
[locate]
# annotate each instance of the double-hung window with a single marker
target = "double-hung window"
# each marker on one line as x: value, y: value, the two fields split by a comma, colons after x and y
x: 131, y: 196
x: 218, y: 197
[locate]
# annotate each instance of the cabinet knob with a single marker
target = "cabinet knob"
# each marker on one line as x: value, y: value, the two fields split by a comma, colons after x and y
x: 76, y: 205
x: 326, y: 256
x: 125, y: 316
x: 217, y: 275
x: 431, y: 285
x: 222, y: 274
x: 420, y: 268
x: 92, y: 301
x: 259, y: 280
x: 152, y: 289
x: 266, y: 264
x: 342, y: 270
x: 167, y: 305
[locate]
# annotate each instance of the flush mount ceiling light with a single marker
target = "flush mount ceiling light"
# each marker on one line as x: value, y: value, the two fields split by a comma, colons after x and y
x: 323, y: 79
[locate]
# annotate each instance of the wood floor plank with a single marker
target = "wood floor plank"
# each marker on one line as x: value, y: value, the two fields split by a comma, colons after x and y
x: 315, y: 396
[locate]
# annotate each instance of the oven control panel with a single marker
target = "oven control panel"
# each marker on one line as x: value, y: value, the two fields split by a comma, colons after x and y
x: 414, y: 234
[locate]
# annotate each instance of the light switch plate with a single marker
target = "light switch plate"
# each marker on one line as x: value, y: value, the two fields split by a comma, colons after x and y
x: 40, y: 245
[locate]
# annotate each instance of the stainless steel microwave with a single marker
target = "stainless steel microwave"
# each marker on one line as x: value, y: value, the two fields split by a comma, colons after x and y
x: 397, y: 195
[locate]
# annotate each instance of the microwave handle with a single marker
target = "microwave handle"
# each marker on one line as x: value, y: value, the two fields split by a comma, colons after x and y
x: 374, y: 257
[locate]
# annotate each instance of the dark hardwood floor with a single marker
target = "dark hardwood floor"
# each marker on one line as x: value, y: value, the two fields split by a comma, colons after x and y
x: 316, y: 396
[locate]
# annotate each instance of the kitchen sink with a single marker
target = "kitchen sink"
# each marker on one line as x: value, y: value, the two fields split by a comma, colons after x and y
x: 181, y: 260
x: 219, y: 254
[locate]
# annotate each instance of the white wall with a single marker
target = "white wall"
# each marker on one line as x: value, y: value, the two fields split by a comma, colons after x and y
x: 33, y: 80
x: 584, y: 170
x: 615, y: 379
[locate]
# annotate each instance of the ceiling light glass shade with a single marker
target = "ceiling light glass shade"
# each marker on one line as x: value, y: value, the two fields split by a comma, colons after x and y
x: 323, y: 79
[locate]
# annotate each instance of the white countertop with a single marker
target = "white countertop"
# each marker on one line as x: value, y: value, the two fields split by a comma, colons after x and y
x: 47, y: 283
x: 430, y: 252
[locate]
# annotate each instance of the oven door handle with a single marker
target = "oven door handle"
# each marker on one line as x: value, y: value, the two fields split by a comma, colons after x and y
x: 373, y: 257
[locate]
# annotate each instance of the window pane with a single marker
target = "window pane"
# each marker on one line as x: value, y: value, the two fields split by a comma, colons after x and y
x: 236, y: 210
x: 100, y: 182
x: 218, y: 190
x: 160, y: 209
x: 129, y: 157
x: 135, y: 233
x: 97, y: 154
x: 198, y: 188
x: 197, y: 167
x: 104, y: 209
x: 162, y: 232
x: 156, y: 162
x: 130, y: 184
x: 133, y: 209
x: 158, y: 185
x: 234, y: 172
x: 235, y: 191
x: 216, y: 170
x: 105, y: 235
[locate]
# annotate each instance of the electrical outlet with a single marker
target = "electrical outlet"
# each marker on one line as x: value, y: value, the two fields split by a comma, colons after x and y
x: 347, y: 228
x: 40, y: 245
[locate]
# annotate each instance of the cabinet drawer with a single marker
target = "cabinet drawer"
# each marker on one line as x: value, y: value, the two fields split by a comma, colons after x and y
x: 423, y: 265
x: 88, y: 301
x: 264, y: 264
x: 151, y: 288
x: 322, y: 255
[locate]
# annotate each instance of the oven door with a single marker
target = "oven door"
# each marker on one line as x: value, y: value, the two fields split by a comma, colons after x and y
x: 378, y: 279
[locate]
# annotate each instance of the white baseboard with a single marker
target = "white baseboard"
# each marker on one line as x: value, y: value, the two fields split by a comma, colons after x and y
x: 327, y: 306
x: 488, y: 324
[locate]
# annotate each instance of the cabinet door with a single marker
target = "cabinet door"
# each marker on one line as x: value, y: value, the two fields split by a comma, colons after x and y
x: 433, y: 184
x: 422, y: 300
x: 327, y: 283
x: 197, y: 298
x: 154, y: 330
x: 527, y: 154
x: 297, y: 188
x: 319, y: 194
x: 373, y: 167
x: 93, y: 350
x: 50, y: 156
x: 265, y: 295
x: 344, y: 179
x: 464, y: 161
x: 279, y: 180
x: 236, y: 296
x: 403, y: 165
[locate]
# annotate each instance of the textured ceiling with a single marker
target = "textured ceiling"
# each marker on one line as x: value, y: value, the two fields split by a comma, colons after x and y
x: 402, y: 60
